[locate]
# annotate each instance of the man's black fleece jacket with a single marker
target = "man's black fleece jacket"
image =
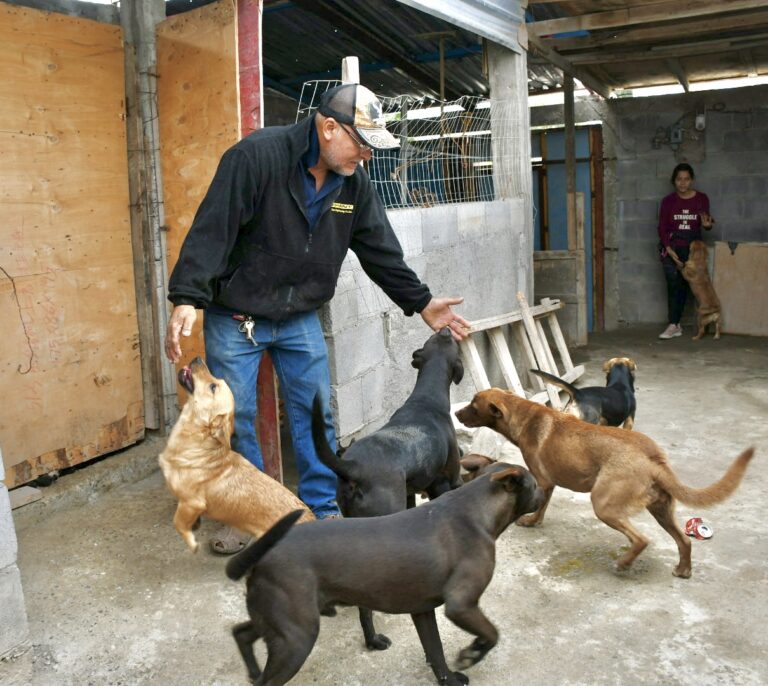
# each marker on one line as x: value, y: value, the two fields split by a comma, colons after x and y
x: 250, y: 248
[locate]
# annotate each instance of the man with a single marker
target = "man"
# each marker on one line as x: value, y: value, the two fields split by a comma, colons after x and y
x: 264, y: 253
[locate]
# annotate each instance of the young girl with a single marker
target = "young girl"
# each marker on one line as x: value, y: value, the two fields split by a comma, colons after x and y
x: 682, y: 216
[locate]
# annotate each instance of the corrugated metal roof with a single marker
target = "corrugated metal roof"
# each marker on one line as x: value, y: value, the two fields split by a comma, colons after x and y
x: 615, y: 44
x: 396, y: 45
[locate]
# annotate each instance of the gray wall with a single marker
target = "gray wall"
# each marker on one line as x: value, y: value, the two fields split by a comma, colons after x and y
x: 730, y: 158
x: 14, y: 632
x: 481, y: 251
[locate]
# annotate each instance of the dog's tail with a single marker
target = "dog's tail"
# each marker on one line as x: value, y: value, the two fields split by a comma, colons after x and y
x: 324, y: 451
x: 240, y: 564
x: 570, y: 389
x: 713, y: 494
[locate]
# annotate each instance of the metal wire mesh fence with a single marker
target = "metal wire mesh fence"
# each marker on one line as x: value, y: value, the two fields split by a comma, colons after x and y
x: 445, y: 153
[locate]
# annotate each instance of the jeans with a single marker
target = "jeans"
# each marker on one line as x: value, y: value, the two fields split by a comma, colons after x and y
x: 298, y: 350
x: 677, y: 286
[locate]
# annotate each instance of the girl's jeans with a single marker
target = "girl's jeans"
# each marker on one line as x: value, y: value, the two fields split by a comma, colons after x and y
x: 677, y: 286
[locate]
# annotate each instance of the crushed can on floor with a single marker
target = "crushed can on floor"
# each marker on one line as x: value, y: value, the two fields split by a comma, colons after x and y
x: 696, y: 527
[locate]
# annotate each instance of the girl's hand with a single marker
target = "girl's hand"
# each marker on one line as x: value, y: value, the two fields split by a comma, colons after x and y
x: 706, y: 220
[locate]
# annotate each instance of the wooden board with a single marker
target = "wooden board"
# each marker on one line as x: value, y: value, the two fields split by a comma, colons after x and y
x: 741, y: 280
x: 23, y: 495
x: 70, y: 376
x: 208, y: 94
x: 198, y: 117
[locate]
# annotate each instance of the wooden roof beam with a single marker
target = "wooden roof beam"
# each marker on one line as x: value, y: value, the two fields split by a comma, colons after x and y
x: 748, y: 58
x: 669, y: 51
x: 689, y: 28
x: 641, y: 14
x: 589, y: 81
x: 678, y: 72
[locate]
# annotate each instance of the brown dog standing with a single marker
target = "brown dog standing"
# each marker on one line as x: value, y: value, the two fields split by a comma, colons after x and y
x: 206, y: 475
x: 695, y: 272
x: 625, y: 471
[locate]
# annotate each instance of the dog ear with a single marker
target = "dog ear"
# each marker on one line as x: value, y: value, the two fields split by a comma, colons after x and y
x: 418, y: 358
x: 221, y: 429
x: 474, y: 463
x: 510, y: 478
x: 458, y: 371
x: 495, y: 411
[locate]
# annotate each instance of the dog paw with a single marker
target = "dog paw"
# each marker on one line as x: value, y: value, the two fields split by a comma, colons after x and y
x: 528, y: 521
x: 473, y: 653
x: 682, y: 573
x: 378, y: 642
x: 467, y: 658
x: 455, y: 679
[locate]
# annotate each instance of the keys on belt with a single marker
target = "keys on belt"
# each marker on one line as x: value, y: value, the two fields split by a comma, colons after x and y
x: 246, y: 326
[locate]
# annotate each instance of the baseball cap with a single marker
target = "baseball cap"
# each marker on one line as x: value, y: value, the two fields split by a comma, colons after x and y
x: 354, y: 104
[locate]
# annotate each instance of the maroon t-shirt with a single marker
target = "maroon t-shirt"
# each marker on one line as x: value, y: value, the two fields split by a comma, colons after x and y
x: 679, y: 220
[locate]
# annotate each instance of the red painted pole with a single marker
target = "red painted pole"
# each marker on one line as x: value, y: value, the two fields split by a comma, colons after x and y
x: 249, y: 64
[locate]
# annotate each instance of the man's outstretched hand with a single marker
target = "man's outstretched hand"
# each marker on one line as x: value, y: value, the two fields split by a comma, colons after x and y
x: 438, y: 314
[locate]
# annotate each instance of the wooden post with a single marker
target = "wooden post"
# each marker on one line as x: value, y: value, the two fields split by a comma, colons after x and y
x: 350, y: 70
x: 570, y: 159
x: 581, y: 273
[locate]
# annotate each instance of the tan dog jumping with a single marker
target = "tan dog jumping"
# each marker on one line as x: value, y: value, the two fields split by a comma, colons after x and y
x: 695, y: 272
x: 207, y: 476
x: 625, y: 471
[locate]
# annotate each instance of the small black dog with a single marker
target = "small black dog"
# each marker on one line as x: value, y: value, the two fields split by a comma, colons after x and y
x: 613, y: 405
x: 416, y: 451
x: 442, y: 552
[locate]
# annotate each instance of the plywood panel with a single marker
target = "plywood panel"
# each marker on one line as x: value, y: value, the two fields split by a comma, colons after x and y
x: 741, y: 281
x: 199, y: 117
x: 69, y: 370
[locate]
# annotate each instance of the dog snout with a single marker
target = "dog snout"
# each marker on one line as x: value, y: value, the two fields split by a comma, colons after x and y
x: 197, y: 362
x: 464, y: 415
x: 186, y: 380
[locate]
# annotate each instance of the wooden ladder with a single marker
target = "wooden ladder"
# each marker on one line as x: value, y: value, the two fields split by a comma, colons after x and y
x: 527, y: 331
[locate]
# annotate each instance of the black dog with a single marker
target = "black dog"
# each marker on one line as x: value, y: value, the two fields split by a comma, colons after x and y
x: 415, y: 452
x: 612, y: 405
x: 442, y: 552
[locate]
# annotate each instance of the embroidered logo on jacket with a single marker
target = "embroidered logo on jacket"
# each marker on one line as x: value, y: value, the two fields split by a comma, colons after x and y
x: 342, y: 207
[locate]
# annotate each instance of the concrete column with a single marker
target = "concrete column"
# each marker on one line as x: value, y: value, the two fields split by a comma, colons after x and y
x: 510, y: 131
x: 14, y: 632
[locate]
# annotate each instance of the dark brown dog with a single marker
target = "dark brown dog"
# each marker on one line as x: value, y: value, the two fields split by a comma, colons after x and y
x: 206, y: 475
x: 625, y: 471
x: 695, y: 272
x: 612, y: 405
x: 441, y: 552
x: 416, y: 451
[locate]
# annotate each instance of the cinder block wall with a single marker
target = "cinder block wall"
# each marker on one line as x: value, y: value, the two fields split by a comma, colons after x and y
x: 730, y: 158
x: 480, y: 251
x: 14, y: 632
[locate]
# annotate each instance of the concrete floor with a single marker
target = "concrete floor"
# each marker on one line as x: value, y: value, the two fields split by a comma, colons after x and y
x: 114, y: 597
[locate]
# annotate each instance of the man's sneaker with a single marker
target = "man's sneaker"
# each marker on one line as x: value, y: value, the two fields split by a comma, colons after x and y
x: 672, y: 331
